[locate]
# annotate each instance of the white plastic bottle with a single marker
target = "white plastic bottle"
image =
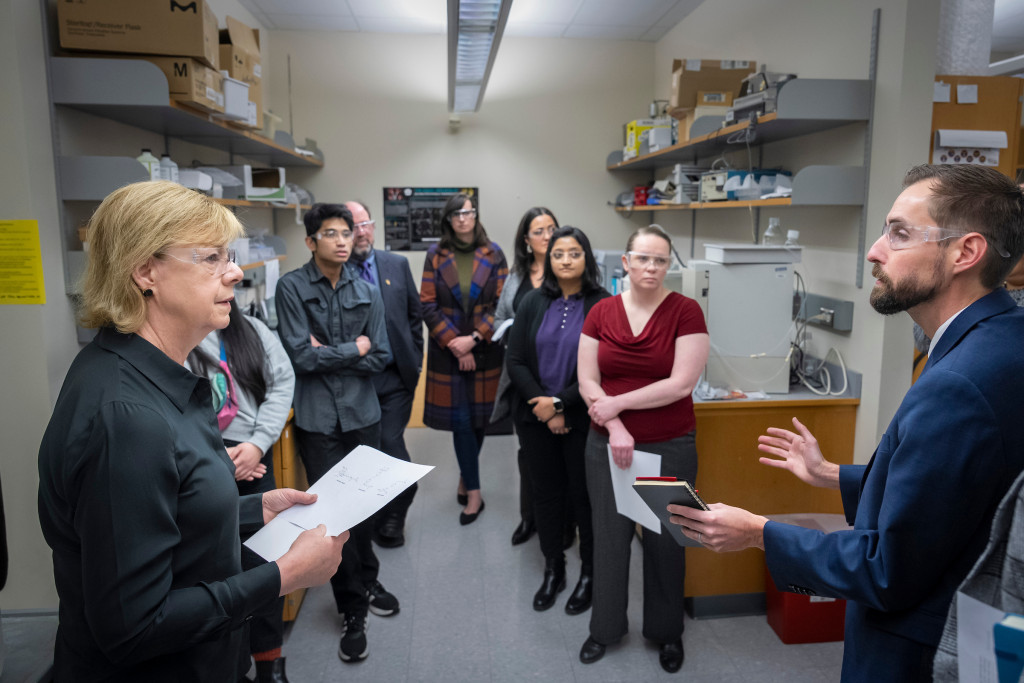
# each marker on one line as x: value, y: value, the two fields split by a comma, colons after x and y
x: 151, y: 163
x: 792, y: 236
x: 168, y: 169
x: 772, y: 237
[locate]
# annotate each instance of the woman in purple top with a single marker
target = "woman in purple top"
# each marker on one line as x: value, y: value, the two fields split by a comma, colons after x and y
x: 551, y: 418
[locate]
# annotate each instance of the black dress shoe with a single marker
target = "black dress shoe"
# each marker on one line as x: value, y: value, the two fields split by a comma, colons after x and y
x: 671, y: 656
x: 390, y: 533
x: 554, y: 583
x: 523, y: 532
x: 462, y: 499
x: 579, y: 601
x: 591, y: 651
x: 465, y: 518
x: 271, y: 672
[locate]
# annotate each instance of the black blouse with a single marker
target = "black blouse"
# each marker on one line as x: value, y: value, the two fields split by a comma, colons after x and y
x: 137, y: 499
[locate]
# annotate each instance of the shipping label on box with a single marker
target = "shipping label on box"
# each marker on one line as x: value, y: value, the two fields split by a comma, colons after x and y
x: 152, y: 27
x: 691, y: 76
x: 192, y: 82
x: 714, y: 98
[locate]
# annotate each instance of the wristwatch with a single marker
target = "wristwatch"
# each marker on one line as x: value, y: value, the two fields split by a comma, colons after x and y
x: 477, y: 336
x: 559, y: 406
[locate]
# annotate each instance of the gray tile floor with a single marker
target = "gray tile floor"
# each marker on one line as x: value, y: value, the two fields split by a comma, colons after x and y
x: 466, y: 612
x: 466, y: 608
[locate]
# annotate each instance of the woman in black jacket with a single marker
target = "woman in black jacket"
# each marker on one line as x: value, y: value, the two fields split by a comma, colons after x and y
x: 550, y: 416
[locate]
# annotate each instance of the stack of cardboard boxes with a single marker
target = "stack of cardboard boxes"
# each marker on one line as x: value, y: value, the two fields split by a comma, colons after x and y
x: 193, y: 51
x: 705, y: 87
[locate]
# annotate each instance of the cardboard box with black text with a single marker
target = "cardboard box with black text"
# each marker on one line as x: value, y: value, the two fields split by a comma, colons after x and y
x: 240, y: 57
x: 151, y: 27
x: 192, y: 82
x: 690, y: 76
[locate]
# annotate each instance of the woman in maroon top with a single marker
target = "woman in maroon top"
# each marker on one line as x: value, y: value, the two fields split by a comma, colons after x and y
x: 640, y: 355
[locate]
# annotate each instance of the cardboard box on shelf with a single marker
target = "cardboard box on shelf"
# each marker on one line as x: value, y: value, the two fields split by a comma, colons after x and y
x: 192, y: 82
x: 637, y: 131
x: 690, y: 76
x: 240, y: 51
x: 686, y: 122
x: 151, y: 27
x: 257, y: 183
x: 240, y: 57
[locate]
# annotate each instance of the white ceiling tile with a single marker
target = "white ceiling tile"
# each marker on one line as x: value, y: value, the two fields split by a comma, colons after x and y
x: 419, y: 10
x: 643, y: 13
x: 305, y: 7
x: 400, y: 25
x: 312, y: 22
x: 608, y: 32
x: 524, y: 29
x: 543, y: 11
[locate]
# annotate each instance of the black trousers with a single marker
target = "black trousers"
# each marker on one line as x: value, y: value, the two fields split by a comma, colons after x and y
x: 664, y: 559
x: 558, y: 481
x: 359, y: 564
x: 395, y: 410
x: 266, y: 630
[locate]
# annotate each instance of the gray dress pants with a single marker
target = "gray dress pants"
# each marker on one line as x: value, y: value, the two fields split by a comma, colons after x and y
x: 664, y: 559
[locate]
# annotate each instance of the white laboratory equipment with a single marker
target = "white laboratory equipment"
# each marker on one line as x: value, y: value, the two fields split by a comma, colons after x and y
x: 746, y: 294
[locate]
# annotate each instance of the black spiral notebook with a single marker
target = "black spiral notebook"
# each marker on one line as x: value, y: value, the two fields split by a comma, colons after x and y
x: 660, y: 492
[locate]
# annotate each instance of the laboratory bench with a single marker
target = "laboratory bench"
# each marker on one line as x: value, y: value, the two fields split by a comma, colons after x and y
x: 729, y: 472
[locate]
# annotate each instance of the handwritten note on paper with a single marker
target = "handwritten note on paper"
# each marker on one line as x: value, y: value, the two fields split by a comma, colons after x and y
x: 363, y: 482
x: 21, y: 263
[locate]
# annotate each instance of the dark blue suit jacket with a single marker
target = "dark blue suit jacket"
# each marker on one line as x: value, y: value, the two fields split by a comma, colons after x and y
x: 922, y: 507
x: 402, y: 314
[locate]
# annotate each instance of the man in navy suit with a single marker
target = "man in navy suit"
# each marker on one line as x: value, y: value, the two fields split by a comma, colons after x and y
x: 922, y: 507
x: 396, y: 385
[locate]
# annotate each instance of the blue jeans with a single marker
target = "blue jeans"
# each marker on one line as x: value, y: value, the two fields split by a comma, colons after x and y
x: 468, y: 442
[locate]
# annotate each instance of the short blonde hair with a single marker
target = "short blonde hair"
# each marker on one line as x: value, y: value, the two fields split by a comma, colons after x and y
x: 133, y: 224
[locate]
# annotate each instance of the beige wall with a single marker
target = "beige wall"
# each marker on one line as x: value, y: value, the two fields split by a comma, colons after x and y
x: 377, y: 106
x: 831, y: 39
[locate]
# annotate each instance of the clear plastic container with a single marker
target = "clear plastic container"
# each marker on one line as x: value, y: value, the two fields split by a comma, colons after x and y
x: 792, y: 238
x: 772, y: 236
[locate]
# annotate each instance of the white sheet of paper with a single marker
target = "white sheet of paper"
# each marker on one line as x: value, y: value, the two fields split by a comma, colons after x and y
x: 363, y: 482
x: 502, y: 329
x: 975, y: 644
x: 941, y: 93
x: 273, y: 273
x: 627, y: 501
x: 966, y: 94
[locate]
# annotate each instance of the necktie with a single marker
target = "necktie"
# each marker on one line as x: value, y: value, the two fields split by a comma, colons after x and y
x: 366, y: 270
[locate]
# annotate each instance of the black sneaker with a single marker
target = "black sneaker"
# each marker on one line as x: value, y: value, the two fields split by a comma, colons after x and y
x: 352, y: 647
x: 382, y: 603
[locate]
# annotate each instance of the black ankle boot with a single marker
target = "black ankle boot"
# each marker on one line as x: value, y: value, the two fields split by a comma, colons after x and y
x: 554, y: 583
x: 579, y: 601
x: 271, y: 672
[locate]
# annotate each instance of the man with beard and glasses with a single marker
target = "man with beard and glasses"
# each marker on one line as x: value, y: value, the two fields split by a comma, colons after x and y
x: 922, y: 507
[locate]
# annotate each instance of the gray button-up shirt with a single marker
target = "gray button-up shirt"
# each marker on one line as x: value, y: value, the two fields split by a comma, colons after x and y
x: 333, y: 383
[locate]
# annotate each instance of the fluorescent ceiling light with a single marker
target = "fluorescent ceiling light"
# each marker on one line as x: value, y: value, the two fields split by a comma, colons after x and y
x: 474, y: 33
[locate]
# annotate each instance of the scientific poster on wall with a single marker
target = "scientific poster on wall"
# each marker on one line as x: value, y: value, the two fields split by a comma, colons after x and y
x: 412, y: 215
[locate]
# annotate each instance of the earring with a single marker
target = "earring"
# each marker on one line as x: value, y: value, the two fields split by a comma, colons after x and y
x: 529, y: 249
x: 147, y: 293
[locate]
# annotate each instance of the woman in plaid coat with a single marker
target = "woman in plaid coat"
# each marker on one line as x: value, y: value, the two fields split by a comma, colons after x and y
x: 462, y: 279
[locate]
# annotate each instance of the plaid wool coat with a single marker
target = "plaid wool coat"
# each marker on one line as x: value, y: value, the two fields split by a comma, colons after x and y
x: 446, y: 318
